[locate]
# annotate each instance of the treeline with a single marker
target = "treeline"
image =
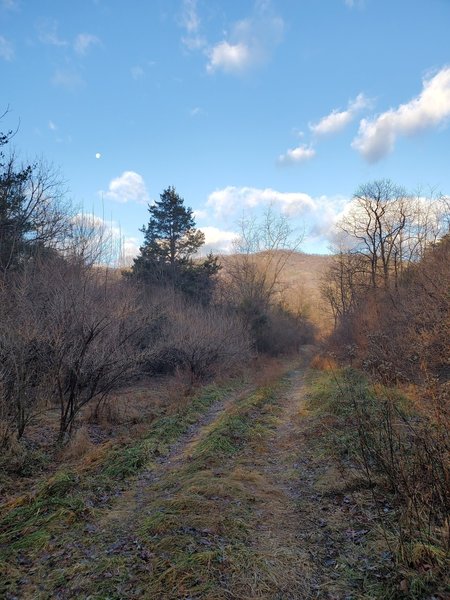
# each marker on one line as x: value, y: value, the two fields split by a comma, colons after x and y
x: 388, y: 284
x: 389, y: 291
x: 73, y: 329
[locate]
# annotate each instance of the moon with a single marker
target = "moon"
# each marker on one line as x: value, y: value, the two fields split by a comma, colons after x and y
x: 98, y: 155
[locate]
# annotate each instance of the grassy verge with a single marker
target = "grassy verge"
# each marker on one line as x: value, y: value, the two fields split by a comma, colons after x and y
x: 30, y: 521
x: 383, y: 445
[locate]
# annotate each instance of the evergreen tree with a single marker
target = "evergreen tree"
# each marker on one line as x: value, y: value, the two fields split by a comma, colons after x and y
x: 32, y: 218
x: 170, y: 241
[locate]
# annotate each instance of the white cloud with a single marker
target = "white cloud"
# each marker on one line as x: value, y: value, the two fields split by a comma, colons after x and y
x: 129, y: 187
x: 231, y: 58
x: 317, y: 216
x: 338, y: 120
x: 52, y: 126
x: 48, y: 33
x: 297, y: 155
x: 137, y: 72
x: 190, y: 21
x: 328, y: 211
x: 194, y: 112
x: 376, y: 138
x: 70, y: 80
x: 6, y: 49
x: 130, y: 249
x: 200, y: 214
x: 217, y: 240
x: 230, y: 199
x: 189, y: 17
x: 250, y: 43
x: 83, y: 42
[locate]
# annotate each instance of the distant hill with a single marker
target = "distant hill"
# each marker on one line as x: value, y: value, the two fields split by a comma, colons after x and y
x: 301, y: 279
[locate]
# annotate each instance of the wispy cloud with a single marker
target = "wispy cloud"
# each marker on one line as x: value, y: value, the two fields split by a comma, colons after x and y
x: 52, y: 126
x: 189, y: 16
x: 230, y: 199
x: 137, y: 72
x: 84, y: 42
x: 9, y: 4
x: 129, y: 187
x: 297, y: 155
x: 6, y: 49
x: 355, y: 3
x: 48, y: 33
x: 337, y: 120
x: 376, y: 138
x: 196, y: 111
x: 250, y: 42
x: 190, y: 22
x: 70, y: 80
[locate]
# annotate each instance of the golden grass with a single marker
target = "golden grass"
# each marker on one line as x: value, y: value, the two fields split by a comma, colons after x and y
x: 321, y: 362
x: 79, y: 445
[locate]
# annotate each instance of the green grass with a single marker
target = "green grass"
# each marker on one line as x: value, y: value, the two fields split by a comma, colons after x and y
x: 367, y: 432
x: 200, y: 532
x: 198, y: 518
x: 29, y: 523
x: 123, y: 463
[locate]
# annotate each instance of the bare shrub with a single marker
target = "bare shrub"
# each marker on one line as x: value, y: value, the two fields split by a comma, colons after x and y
x: 70, y: 335
x: 98, y: 335
x: 24, y: 366
x: 205, y: 341
x: 402, y: 455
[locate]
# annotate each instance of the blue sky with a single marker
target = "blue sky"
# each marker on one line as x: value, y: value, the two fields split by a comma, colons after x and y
x: 237, y: 103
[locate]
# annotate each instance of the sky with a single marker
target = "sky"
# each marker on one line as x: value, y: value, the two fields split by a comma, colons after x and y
x: 238, y: 104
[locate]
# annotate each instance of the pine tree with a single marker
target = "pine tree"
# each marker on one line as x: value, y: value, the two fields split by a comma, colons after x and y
x: 170, y: 241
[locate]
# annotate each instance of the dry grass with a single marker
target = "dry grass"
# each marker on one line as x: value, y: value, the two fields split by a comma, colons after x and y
x: 322, y: 362
x: 78, y: 446
x: 266, y: 370
x: 380, y: 440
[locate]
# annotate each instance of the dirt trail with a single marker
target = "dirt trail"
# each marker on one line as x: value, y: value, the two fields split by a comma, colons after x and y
x: 133, y: 501
x: 241, y: 507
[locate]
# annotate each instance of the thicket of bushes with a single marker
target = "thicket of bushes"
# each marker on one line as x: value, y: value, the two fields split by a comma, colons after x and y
x: 401, y: 456
x: 389, y: 292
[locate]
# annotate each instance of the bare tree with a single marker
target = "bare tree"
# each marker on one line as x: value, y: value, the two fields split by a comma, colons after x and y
x: 375, y: 222
x: 24, y: 352
x: 261, y: 252
x: 34, y: 215
x: 92, y: 241
x: 206, y: 340
x: 344, y: 283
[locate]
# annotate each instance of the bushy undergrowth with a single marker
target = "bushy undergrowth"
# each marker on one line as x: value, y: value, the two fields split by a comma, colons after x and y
x: 402, y: 454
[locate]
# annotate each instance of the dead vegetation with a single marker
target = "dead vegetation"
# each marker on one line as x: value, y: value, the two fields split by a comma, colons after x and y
x: 389, y: 294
